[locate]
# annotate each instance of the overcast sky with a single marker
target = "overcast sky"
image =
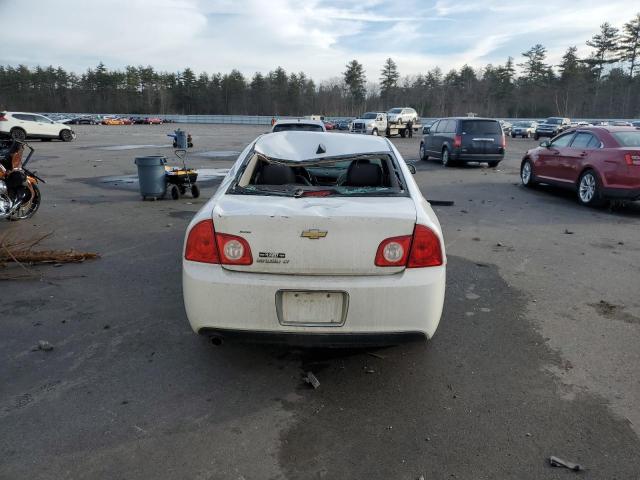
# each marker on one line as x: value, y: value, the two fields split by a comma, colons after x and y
x: 315, y: 36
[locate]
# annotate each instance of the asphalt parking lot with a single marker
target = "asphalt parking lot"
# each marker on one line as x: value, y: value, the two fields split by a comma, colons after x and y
x: 537, y: 353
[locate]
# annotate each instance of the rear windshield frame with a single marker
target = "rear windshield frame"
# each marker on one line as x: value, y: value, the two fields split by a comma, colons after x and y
x: 398, y: 181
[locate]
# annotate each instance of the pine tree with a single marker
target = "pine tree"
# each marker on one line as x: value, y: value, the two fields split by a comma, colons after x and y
x: 388, y: 78
x: 629, y: 48
x: 535, y: 70
x: 355, y: 79
x: 605, y: 44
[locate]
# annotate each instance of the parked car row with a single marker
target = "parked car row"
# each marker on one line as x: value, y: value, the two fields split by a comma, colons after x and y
x: 113, y: 120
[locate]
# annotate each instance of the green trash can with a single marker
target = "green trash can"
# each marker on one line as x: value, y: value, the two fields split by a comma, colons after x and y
x: 151, y: 176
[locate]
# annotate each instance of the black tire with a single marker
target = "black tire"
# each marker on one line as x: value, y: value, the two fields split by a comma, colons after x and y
x: 18, y: 134
x: 374, y: 132
x: 183, y: 189
x: 195, y: 191
x: 590, y: 189
x: 445, y: 158
x: 536, y: 136
x: 31, y: 209
x: 513, y: 135
x: 403, y: 133
x: 175, y: 192
x: 423, y: 152
x: 66, y: 135
x: 527, y: 176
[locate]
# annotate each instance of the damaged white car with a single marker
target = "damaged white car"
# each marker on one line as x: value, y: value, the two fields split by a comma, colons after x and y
x: 316, y: 238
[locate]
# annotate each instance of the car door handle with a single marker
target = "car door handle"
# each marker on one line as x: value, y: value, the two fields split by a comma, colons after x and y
x: 583, y: 154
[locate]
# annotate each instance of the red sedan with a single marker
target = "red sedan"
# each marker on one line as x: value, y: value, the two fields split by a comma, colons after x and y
x: 599, y: 163
x: 328, y: 125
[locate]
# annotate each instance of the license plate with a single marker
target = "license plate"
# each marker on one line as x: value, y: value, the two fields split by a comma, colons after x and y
x: 311, y: 308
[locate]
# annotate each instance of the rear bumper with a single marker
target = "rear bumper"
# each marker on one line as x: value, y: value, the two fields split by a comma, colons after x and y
x: 314, y: 339
x: 477, y: 157
x: 409, y: 302
x: 622, y: 193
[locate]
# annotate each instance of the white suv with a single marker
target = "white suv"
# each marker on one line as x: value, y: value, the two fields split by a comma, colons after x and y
x: 402, y: 115
x: 20, y: 126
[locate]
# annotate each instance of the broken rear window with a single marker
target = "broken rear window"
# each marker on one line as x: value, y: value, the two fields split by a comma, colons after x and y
x: 361, y: 175
x: 307, y: 127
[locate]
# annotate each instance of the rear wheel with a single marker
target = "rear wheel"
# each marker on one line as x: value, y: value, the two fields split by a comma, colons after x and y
x: 175, y: 192
x: 589, y: 191
x: 66, y: 135
x: 18, y: 134
x: 195, y: 191
x: 423, y: 152
x: 403, y: 133
x: 526, y: 174
x: 536, y: 136
x: 446, y: 160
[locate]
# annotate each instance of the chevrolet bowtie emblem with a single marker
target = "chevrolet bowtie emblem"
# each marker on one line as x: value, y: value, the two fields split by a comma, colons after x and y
x: 313, y: 234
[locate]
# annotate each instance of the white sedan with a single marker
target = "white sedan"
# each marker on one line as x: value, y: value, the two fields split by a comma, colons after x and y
x: 316, y: 238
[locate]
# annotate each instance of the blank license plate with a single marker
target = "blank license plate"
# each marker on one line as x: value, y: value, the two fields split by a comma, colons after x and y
x: 311, y: 308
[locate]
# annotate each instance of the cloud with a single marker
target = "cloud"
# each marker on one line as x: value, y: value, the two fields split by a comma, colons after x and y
x: 316, y: 36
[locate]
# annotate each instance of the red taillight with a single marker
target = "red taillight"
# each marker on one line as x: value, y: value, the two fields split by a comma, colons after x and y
x: 422, y: 249
x: 201, y: 245
x: 457, y: 141
x: 425, y: 248
x: 632, y: 158
x: 503, y: 143
x: 205, y: 245
x: 393, y: 252
x: 3, y: 118
x: 233, y: 250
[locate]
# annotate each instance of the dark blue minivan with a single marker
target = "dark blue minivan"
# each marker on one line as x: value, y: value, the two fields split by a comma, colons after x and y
x: 464, y: 139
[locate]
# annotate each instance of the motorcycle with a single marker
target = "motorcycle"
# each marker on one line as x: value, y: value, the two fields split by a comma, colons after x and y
x: 19, y: 193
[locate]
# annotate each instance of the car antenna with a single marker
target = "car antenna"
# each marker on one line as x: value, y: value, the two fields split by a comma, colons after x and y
x: 321, y: 149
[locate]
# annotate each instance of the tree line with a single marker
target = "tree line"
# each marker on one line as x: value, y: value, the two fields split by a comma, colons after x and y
x: 605, y: 84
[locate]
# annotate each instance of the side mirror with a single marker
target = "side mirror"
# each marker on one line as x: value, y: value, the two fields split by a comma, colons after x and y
x: 412, y: 168
x: 545, y: 144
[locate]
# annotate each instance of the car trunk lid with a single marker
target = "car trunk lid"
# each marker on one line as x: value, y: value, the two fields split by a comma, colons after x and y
x: 314, y: 236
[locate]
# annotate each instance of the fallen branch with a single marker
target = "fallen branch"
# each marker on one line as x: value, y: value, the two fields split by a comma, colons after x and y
x: 21, y: 253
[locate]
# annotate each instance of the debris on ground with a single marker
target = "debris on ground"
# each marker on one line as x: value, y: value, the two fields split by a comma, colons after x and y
x: 568, y: 232
x: 311, y: 379
x: 21, y: 252
x: 558, y: 462
x: 368, y: 370
x: 376, y: 355
x: 42, y: 345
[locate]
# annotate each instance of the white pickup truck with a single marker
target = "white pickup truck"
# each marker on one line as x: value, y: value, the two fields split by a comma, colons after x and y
x: 386, y: 123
